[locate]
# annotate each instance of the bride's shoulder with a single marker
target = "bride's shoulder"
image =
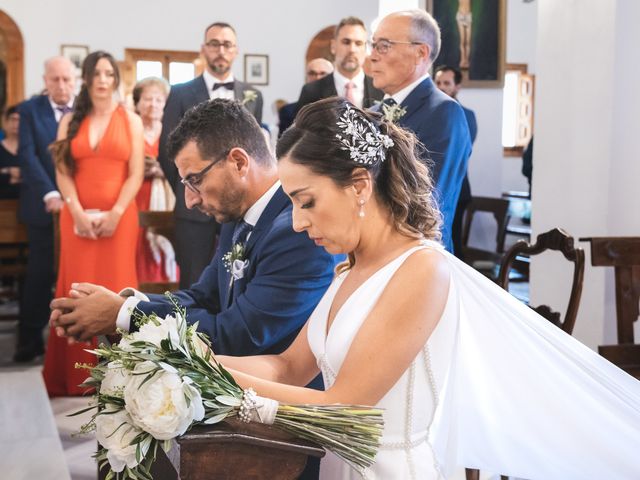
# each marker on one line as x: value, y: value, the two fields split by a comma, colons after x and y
x: 422, y: 267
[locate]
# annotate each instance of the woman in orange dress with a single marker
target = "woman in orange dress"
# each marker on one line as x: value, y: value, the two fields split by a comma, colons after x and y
x: 149, y: 98
x: 99, y: 162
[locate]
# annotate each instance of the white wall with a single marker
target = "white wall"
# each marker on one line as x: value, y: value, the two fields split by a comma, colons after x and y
x: 586, y: 165
x: 281, y: 29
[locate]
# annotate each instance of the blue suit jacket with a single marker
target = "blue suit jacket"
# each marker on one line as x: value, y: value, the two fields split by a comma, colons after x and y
x: 285, y: 279
x: 38, y: 129
x: 440, y: 124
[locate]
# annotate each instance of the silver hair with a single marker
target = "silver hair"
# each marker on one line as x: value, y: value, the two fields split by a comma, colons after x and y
x: 424, y: 28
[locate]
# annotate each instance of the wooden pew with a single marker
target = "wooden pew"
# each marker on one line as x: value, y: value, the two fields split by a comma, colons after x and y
x: 13, y: 249
x: 623, y: 254
x: 231, y: 450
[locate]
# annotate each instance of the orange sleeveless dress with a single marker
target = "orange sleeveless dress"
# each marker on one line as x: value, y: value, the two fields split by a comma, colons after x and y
x: 111, y: 261
x: 148, y: 269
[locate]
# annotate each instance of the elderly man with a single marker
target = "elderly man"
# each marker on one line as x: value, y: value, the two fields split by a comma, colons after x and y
x: 348, y: 80
x: 195, y: 232
x: 316, y: 69
x: 405, y: 45
x: 39, y: 198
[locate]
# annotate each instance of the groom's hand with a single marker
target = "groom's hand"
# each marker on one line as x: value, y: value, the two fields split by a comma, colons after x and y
x: 91, y: 310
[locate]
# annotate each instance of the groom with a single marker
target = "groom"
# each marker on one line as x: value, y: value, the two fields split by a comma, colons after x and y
x: 278, y: 275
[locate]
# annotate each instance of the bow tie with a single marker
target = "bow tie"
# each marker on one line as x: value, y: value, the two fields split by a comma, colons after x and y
x: 227, y: 85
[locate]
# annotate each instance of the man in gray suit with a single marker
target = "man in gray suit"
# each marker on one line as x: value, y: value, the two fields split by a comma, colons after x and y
x: 195, y: 232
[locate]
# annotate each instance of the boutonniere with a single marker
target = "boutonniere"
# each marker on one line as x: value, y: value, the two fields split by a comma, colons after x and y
x: 249, y: 96
x: 235, y: 262
x: 392, y: 113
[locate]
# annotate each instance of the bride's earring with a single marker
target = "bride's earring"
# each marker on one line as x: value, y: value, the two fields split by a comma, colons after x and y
x: 361, y: 212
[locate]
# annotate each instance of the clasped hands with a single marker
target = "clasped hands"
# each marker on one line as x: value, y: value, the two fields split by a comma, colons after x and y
x: 93, y: 226
x: 89, y: 310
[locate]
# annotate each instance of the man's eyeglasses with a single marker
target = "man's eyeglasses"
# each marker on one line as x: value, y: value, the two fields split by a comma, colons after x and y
x: 193, y: 180
x: 383, y: 46
x: 216, y: 45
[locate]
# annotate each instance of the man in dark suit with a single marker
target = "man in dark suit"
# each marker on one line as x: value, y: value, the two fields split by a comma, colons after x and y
x: 405, y: 45
x: 449, y: 80
x: 316, y: 69
x: 195, y: 232
x: 348, y: 79
x: 39, y: 198
x: 259, y: 306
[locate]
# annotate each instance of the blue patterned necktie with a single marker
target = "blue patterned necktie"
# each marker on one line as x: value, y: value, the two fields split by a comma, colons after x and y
x: 389, y: 101
x: 240, y: 232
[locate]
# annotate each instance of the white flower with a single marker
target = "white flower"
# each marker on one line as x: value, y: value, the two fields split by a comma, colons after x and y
x: 249, y: 96
x: 238, y: 267
x: 115, y: 379
x: 161, y: 406
x: 152, y: 333
x: 115, y: 431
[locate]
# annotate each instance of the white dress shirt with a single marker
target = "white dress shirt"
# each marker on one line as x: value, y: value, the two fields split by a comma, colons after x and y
x: 341, y: 81
x: 251, y: 216
x: 221, y: 92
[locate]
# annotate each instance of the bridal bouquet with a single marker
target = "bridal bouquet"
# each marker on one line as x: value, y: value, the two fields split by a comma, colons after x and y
x: 161, y: 380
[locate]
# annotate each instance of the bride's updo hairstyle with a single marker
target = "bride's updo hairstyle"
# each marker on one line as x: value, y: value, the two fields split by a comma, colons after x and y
x: 401, y: 179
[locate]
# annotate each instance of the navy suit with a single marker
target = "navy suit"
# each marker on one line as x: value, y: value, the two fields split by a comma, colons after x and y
x: 195, y: 232
x: 38, y: 128
x: 439, y: 123
x: 285, y: 279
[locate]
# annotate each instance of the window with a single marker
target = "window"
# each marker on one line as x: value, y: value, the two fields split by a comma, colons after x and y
x: 517, y: 109
x: 173, y: 66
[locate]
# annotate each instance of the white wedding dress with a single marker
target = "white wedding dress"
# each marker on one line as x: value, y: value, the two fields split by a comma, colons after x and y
x: 496, y: 387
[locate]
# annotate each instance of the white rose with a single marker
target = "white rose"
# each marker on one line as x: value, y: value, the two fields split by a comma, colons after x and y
x: 160, y: 406
x: 152, y: 333
x: 115, y: 379
x: 120, y: 452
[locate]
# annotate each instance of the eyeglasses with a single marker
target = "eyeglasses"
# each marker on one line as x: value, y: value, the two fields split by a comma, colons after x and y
x: 383, y: 46
x: 193, y: 180
x: 216, y: 45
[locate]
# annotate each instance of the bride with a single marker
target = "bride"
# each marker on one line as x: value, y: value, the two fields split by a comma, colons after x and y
x: 467, y: 375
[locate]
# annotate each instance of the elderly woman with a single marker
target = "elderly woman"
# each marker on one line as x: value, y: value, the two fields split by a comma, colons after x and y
x: 155, y: 259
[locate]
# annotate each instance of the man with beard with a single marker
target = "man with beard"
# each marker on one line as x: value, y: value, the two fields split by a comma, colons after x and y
x: 348, y: 80
x: 195, y: 232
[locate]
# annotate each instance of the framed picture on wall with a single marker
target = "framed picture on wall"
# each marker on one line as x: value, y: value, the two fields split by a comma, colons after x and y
x: 473, y: 39
x: 256, y: 69
x: 75, y: 53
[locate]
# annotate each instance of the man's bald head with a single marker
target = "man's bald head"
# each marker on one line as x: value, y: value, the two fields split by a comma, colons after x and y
x: 59, y: 79
x: 318, y: 68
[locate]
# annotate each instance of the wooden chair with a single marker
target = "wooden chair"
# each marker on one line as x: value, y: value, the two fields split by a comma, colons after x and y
x: 13, y: 251
x: 485, y: 261
x: 558, y: 240
x: 161, y: 223
x: 623, y: 254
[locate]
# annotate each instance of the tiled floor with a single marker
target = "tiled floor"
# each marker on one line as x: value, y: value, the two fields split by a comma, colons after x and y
x: 27, y: 451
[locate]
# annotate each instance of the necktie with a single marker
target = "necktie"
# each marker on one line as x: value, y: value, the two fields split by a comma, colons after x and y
x: 64, y: 109
x: 227, y: 85
x: 348, y: 92
x: 389, y: 101
x: 241, y: 232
